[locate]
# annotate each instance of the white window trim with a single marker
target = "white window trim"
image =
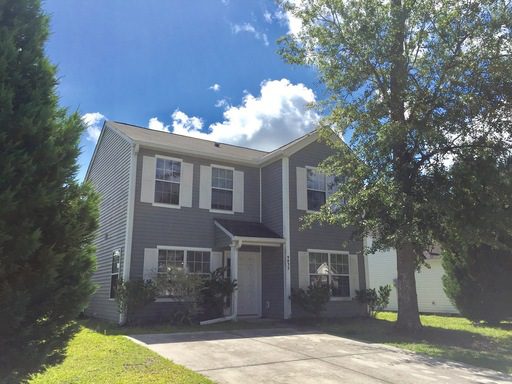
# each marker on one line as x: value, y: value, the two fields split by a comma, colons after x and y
x: 176, y: 206
x: 315, y: 169
x: 118, y: 273
x: 176, y: 248
x: 329, y: 251
x: 215, y: 210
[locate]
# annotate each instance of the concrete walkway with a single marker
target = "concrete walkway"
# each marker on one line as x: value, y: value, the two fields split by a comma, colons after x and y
x: 285, y: 355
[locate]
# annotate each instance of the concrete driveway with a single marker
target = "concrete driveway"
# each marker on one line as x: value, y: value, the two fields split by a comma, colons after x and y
x: 285, y: 355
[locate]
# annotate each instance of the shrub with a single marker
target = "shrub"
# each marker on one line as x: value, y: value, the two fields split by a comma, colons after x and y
x: 376, y: 300
x: 215, y: 293
x: 313, y: 300
x: 185, y: 289
x: 133, y: 295
x: 478, y: 282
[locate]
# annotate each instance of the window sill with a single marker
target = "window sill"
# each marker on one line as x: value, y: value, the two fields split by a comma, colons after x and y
x: 222, y: 211
x: 166, y: 205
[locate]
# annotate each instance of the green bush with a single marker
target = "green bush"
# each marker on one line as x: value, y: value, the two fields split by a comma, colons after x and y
x: 185, y: 289
x: 133, y: 295
x: 313, y: 300
x: 215, y: 293
x: 478, y: 282
x: 376, y: 300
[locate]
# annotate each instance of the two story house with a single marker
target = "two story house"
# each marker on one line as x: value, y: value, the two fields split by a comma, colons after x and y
x: 172, y: 200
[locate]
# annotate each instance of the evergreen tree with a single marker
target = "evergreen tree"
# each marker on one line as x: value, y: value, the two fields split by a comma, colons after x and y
x: 412, y: 84
x: 476, y: 236
x: 47, y: 219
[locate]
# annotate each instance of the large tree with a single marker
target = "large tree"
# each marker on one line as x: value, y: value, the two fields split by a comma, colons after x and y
x: 47, y: 219
x: 411, y: 85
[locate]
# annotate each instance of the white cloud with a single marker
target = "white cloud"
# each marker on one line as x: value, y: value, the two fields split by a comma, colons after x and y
x: 157, y: 125
x: 185, y: 125
x: 215, y: 87
x: 267, y: 16
x: 286, y: 16
x: 222, y: 103
x: 249, y: 28
x: 275, y: 117
x: 94, y: 122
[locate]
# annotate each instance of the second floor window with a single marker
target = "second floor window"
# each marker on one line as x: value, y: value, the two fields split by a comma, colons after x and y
x: 222, y: 189
x: 317, y: 190
x: 167, y: 181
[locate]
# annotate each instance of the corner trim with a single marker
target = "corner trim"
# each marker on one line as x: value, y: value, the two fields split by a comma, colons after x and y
x: 285, y: 169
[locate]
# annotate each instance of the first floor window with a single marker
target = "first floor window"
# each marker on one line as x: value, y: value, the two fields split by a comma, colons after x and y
x: 167, y: 181
x: 180, y: 262
x: 330, y: 270
x: 189, y: 261
x: 222, y: 189
x: 114, y: 276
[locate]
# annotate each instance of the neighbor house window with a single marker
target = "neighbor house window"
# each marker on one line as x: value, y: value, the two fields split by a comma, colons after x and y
x: 190, y: 261
x: 114, y: 277
x: 222, y: 189
x: 330, y: 270
x: 167, y: 181
x: 317, y: 190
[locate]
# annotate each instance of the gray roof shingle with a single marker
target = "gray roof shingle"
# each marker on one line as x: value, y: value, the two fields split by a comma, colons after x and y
x: 247, y: 229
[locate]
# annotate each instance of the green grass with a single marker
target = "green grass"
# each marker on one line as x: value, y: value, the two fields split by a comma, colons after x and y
x: 114, y: 329
x: 449, y: 337
x: 94, y: 357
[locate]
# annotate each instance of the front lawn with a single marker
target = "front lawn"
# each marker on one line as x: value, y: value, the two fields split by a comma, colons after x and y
x: 94, y: 357
x: 449, y: 337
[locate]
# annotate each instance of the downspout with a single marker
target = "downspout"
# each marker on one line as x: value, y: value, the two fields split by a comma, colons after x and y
x: 235, y: 246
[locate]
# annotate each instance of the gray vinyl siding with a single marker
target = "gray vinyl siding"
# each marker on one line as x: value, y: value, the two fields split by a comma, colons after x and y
x: 186, y: 226
x: 110, y: 175
x: 319, y: 236
x: 272, y: 196
x: 272, y: 282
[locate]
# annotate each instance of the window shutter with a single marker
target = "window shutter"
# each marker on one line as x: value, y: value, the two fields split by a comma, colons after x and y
x: 205, y: 187
x: 147, y: 185
x: 303, y: 270
x: 353, y: 269
x: 215, y: 261
x: 302, y: 185
x: 150, y: 268
x: 187, y: 174
x: 238, y: 191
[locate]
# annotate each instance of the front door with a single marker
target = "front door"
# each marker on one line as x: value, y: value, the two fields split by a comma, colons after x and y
x: 249, y: 284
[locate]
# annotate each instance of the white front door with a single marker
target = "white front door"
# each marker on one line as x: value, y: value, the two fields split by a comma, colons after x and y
x: 249, y: 284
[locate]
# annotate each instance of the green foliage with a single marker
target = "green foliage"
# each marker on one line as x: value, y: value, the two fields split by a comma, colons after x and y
x: 477, y: 237
x: 133, y: 295
x: 185, y: 289
x: 376, y: 300
x: 313, y: 300
x: 47, y: 219
x: 477, y: 281
x: 217, y: 289
x: 414, y: 86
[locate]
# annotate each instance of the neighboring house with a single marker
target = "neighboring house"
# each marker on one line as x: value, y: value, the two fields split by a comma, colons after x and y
x: 381, y: 270
x: 172, y: 200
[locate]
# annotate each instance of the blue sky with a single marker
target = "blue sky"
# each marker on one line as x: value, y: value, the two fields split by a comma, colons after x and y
x: 205, y: 68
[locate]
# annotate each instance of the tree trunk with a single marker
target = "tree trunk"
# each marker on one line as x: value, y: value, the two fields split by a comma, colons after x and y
x: 408, y: 315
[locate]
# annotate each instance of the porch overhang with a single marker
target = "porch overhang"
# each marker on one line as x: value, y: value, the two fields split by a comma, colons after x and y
x: 249, y: 233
